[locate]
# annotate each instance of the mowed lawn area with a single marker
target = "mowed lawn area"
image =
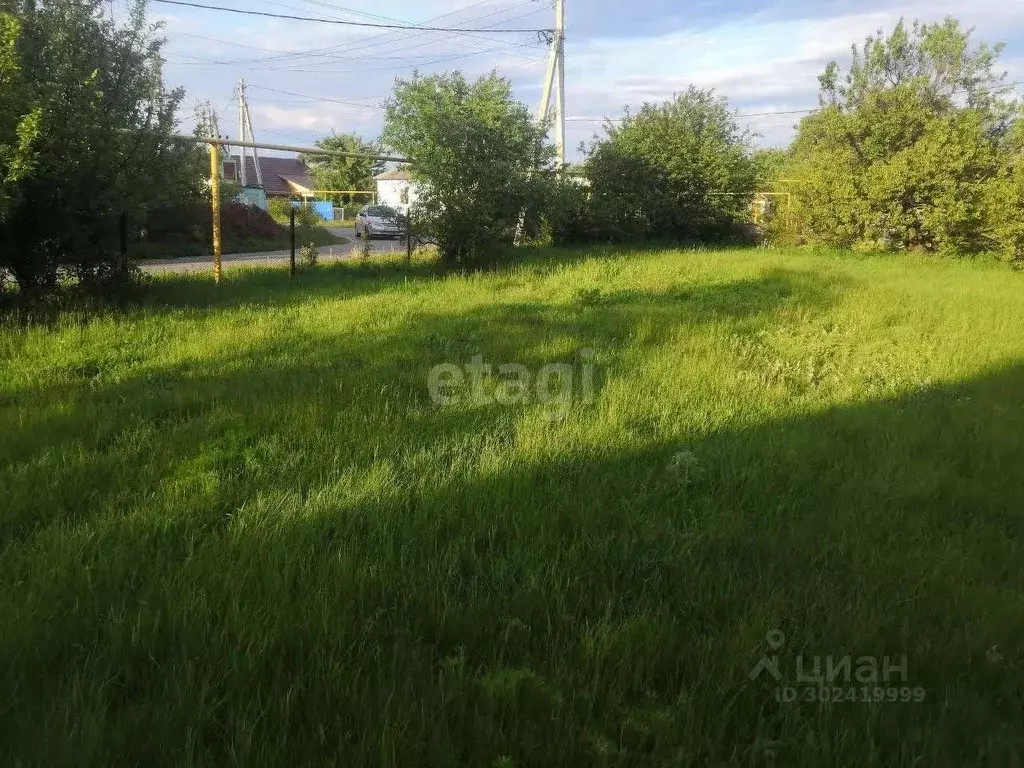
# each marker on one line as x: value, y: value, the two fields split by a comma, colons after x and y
x: 236, y: 530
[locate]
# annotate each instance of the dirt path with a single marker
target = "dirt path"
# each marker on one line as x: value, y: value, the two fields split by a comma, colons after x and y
x: 269, y: 258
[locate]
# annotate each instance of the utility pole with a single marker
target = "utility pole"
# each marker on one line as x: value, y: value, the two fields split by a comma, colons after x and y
x: 554, y: 80
x: 244, y: 177
x: 560, y: 75
x: 246, y: 134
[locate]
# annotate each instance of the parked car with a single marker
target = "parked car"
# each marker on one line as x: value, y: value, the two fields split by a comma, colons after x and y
x: 379, y: 221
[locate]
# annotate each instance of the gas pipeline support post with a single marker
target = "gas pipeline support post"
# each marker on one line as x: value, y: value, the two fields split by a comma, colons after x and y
x: 215, y: 205
x: 291, y: 228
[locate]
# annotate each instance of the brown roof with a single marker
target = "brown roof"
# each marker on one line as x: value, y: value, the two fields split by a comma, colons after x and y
x: 395, y: 174
x: 276, y: 170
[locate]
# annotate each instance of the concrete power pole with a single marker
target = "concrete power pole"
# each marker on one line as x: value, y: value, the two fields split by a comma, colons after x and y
x: 245, y: 131
x: 242, y: 133
x: 555, y: 80
x: 560, y: 89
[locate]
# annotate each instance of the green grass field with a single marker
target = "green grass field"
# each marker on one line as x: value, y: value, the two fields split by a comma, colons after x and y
x: 235, y: 529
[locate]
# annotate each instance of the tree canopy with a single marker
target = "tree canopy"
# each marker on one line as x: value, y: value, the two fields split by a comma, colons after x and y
x: 93, y: 121
x: 907, y: 145
x: 345, y: 173
x: 679, y: 169
x: 478, y: 158
x: 19, y: 118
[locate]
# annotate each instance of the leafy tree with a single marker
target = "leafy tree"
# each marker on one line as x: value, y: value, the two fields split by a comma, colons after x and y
x: 1005, y: 204
x: 101, y: 145
x: 345, y: 173
x: 906, y: 145
x: 477, y: 155
x: 19, y: 121
x: 768, y: 164
x: 681, y: 169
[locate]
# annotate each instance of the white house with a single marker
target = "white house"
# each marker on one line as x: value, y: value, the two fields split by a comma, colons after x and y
x: 395, y: 188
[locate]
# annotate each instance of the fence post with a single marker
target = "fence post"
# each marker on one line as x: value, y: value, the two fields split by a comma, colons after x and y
x: 123, y: 232
x: 292, y: 228
x: 408, y: 234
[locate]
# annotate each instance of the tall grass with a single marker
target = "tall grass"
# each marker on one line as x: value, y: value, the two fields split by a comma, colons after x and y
x: 235, y: 529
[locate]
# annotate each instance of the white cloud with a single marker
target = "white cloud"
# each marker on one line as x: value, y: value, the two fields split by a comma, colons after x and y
x: 761, y: 64
x: 763, y: 61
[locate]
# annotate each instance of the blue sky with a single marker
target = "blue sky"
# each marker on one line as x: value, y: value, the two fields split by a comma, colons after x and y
x: 764, y: 56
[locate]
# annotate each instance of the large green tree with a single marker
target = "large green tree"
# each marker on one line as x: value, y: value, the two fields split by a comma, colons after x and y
x: 345, y: 173
x: 683, y: 168
x: 906, y: 145
x: 19, y: 119
x: 1005, y: 204
x: 477, y: 155
x: 101, y: 145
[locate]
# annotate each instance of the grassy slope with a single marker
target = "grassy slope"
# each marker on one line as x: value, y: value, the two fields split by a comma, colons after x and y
x: 236, y: 531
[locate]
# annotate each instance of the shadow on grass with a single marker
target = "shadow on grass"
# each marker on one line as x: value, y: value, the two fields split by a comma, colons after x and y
x: 272, y: 286
x: 443, y: 595
x: 529, y: 333
x: 291, y: 556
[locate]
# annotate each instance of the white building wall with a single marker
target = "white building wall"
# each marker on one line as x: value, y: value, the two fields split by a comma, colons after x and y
x: 390, y: 192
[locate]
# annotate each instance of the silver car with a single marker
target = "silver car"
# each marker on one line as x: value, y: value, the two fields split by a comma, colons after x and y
x: 379, y: 221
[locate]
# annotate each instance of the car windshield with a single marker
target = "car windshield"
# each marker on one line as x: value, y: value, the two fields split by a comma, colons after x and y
x: 381, y: 212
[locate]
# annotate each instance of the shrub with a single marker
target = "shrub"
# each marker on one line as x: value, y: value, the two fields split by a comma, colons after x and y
x: 678, y: 170
x: 908, y: 151
x: 479, y: 159
x: 99, y: 149
x: 309, y: 255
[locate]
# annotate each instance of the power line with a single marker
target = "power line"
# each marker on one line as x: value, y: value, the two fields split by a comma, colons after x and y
x: 427, y: 21
x: 329, y: 52
x: 373, y: 25
x: 375, y: 40
x: 290, y: 66
x: 378, y: 38
x: 315, y: 98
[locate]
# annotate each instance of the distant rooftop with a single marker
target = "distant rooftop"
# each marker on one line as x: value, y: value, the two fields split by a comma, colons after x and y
x: 277, y: 172
x: 395, y: 174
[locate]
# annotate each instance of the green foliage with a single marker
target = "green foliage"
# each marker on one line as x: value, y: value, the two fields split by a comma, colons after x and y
x: 99, y: 143
x: 570, y: 214
x: 309, y: 255
x: 280, y: 209
x: 229, y: 191
x: 479, y: 160
x: 19, y: 119
x: 906, y: 148
x: 768, y: 164
x: 345, y: 173
x: 680, y: 170
x: 305, y: 215
x: 1005, y: 202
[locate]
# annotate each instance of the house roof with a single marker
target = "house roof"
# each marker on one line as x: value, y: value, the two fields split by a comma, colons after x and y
x: 277, y: 172
x: 395, y: 174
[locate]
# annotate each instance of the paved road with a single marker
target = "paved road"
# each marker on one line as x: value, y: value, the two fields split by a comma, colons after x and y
x: 327, y: 253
